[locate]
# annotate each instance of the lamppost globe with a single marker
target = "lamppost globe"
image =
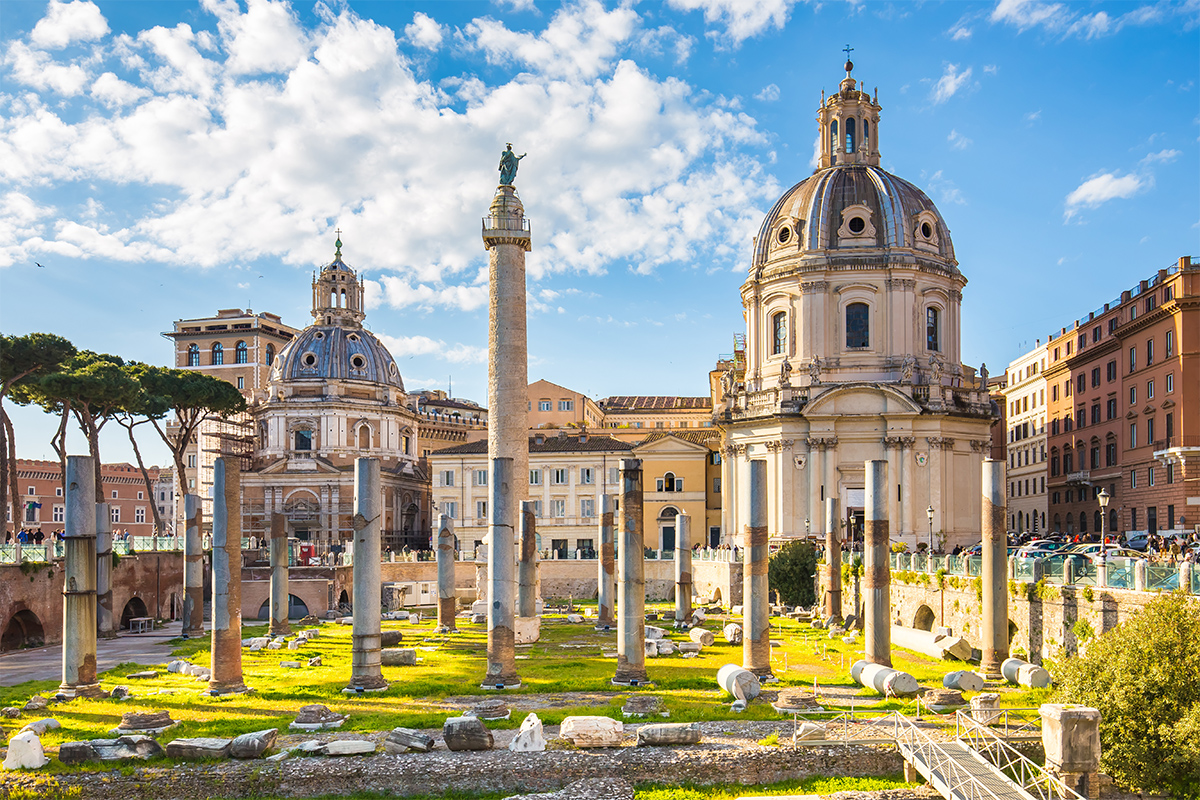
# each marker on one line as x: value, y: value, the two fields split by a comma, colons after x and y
x: 1103, y: 497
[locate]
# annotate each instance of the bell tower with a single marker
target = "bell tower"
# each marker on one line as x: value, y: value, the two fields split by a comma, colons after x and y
x: 338, y: 293
x: 849, y: 123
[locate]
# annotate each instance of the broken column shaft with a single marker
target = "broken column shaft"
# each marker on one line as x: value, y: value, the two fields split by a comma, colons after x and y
x: 501, y: 655
x: 366, y: 665
x: 756, y: 625
x: 445, y: 573
x: 833, y: 560
x: 227, y: 578
x: 877, y: 576
x: 683, y: 568
x: 279, y: 577
x: 79, y: 581
x: 193, y: 567
x: 106, y: 626
x: 631, y: 580
x: 606, y: 594
x: 995, y: 570
x: 527, y: 566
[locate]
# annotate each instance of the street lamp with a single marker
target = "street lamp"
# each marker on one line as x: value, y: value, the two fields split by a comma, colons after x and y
x: 1103, y: 497
x: 929, y: 513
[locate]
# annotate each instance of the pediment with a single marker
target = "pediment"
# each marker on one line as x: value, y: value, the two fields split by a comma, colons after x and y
x: 861, y: 399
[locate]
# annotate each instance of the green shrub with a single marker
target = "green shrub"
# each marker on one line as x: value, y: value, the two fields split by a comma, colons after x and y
x: 1142, y: 677
x: 790, y: 572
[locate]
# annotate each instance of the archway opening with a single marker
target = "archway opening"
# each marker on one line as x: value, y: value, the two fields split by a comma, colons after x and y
x: 133, y: 609
x: 924, y: 619
x: 344, y: 600
x: 297, y: 609
x: 24, y: 629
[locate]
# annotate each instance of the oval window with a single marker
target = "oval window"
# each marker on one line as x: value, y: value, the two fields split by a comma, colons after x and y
x: 358, y: 362
x: 310, y: 360
x: 319, y: 335
x: 353, y: 337
x: 926, y: 230
x: 785, y: 233
x: 857, y: 225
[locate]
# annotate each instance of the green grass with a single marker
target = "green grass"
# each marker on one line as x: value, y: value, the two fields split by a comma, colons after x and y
x: 568, y: 658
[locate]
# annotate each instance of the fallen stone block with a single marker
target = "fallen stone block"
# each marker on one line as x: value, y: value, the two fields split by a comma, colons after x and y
x: 315, y: 661
x: 200, y: 747
x: 939, y: 700
x: 390, y: 638
x: 1025, y: 674
x: 642, y: 705
x: 77, y: 752
x: 289, y: 665
x: 143, y: 675
x: 665, y: 647
x: 275, y: 645
x: 10, y: 712
x: 295, y: 644
x: 349, y: 747
x: 963, y: 681
x: 36, y: 703
x: 316, y: 717
x: 985, y: 708
x: 125, y: 748
x: 253, y: 745
x: 588, y: 731
x: 732, y: 633
x: 478, y: 619
x: 401, y: 740
x: 526, y: 630
x: 885, y: 680
x: 689, y: 648
x: 809, y: 731
x: 398, y: 657
x: 667, y: 734
x: 25, y: 752
x: 702, y: 637
x: 530, y: 738
x: 148, y: 722
x: 40, y: 726
x: 654, y: 634
x: 177, y: 665
x: 120, y: 693
x: 466, y: 733
x: 574, y: 619
x: 742, y: 684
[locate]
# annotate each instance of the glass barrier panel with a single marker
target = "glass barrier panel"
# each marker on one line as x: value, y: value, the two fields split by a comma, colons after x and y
x: 1023, y: 569
x: 975, y: 566
x: 1162, y: 578
x: 1120, y: 573
x: 8, y: 553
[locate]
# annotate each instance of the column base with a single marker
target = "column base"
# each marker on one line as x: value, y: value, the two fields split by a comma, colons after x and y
x: 501, y: 684
x: 280, y: 630
x: 106, y: 634
x: 366, y: 685
x: 194, y: 633
x: 446, y: 629
x: 218, y: 689
x: 764, y: 674
x: 633, y: 681
x: 605, y: 626
x: 92, y: 690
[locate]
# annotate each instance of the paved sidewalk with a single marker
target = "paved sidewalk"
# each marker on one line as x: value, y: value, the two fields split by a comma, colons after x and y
x: 46, y: 662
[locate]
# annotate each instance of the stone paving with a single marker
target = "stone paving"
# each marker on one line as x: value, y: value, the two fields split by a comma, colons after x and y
x: 40, y: 663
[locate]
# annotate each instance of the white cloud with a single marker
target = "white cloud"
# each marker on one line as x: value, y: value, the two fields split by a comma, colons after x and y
x: 740, y: 19
x: 951, y: 82
x: 626, y: 169
x: 36, y: 69
x: 1099, y: 189
x: 769, y: 93
x: 1065, y: 20
x: 1033, y: 116
x: 267, y: 38
x: 424, y: 32
x: 65, y: 23
x: 990, y: 69
x: 958, y: 141
x: 960, y: 32
x: 944, y: 188
x: 1161, y: 157
x: 458, y: 353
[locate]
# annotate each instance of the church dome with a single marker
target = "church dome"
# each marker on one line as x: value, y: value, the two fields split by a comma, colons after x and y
x: 330, y: 352
x: 853, y: 207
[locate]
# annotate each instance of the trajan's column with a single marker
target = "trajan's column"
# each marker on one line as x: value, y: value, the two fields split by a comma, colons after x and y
x: 506, y: 237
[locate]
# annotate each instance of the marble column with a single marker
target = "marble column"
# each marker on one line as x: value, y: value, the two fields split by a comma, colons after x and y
x: 366, y: 664
x: 876, y: 571
x: 683, y: 568
x: 79, y: 581
x: 227, y: 578
x: 995, y: 570
x: 502, y: 588
x: 833, y: 559
x: 279, y: 577
x: 631, y: 584
x: 106, y: 623
x: 445, y: 574
x: 815, y: 467
x: 193, y: 568
x: 606, y: 567
x: 756, y: 603
x: 527, y: 565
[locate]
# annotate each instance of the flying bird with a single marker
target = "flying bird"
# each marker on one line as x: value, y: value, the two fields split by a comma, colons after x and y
x: 39, y: 265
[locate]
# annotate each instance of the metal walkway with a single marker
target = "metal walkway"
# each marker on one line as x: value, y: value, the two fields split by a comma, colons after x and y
x: 976, y: 765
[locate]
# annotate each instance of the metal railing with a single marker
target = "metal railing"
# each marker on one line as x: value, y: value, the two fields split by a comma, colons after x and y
x: 1031, y: 777
x: 930, y: 756
x: 1074, y: 570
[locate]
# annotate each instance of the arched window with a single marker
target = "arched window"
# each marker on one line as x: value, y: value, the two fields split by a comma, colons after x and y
x: 333, y: 299
x: 669, y: 483
x: 240, y: 353
x: 1112, y: 520
x: 858, y: 325
x: 193, y: 356
x: 850, y: 135
x: 1057, y: 524
x: 342, y: 303
x: 1068, y: 461
x: 779, y: 326
x: 933, y: 327
x: 1096, y: 521
x: 270, y: 354
x: 866, y: 134
x: 1083, y: 522
x: 364, y: 438
x: 833, y: 139
x: 218, y: 354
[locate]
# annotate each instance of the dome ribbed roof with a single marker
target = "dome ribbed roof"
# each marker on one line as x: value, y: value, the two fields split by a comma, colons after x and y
x: 813, y: 210
x: 324, y: 352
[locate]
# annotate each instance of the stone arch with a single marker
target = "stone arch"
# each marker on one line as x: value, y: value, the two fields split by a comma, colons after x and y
x: 297, y: 608
x: 924, y: 618
x: 344, y: 599
x: 136, y: 607
x: 24, y: 629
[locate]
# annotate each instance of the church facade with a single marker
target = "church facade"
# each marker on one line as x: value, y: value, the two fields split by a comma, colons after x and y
x: 851, y: 352
x: 334, y: 394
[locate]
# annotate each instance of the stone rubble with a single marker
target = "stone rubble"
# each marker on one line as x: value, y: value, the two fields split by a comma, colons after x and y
x: 316, y: 717
x: 253, y: 745
x: 25, y: 752
x: 530, y: 738
x: 591, y: 731
x: 402, y: 740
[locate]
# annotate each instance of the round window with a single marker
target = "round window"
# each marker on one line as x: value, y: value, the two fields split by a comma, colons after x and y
x: 926, y: 230
x: 784, y: 234
x: 857, y: 225
x: 353, y: 337
x: 358, y: 362
x: 310, y: 360
x: 318, y: 335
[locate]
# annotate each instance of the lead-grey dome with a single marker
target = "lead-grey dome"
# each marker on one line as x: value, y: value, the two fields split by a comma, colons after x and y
x: 812, y: 214
x: 329, y: 352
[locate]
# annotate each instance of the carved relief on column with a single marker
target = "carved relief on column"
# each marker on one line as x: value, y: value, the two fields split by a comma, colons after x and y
x: 981, y: 445
x: 772, y: 446
x: 944, y: 443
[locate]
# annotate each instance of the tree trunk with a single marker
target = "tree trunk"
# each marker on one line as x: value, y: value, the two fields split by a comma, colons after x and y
x: 177, y: 449
x: 4, y: 458
x: 87, y: 424
x: 59, y: 443
x: 158, y: 524
x: 14, y: 496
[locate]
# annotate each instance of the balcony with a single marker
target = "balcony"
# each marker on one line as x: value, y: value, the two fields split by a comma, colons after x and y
x: 1083, y: 477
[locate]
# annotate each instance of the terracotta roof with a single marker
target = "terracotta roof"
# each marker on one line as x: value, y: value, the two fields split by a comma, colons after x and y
x: 704, y: 436
x: 654, y: 403
x: 551, y: 443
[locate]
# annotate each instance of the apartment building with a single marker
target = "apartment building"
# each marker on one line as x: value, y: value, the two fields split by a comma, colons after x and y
x: 1024, y: 423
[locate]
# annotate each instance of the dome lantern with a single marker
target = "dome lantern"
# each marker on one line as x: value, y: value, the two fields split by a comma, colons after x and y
x: 849, y: 124
x: 338, y: 293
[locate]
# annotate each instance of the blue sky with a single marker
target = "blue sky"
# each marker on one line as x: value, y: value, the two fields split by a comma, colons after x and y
x: 163, y: 160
